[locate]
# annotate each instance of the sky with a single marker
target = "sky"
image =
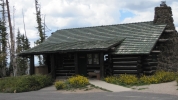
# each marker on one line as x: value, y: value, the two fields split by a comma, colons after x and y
x: 63, y: 14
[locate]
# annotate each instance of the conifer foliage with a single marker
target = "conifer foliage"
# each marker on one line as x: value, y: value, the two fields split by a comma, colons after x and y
x: 22, y: 44
x: 3, y: 49
x: 40, y: 28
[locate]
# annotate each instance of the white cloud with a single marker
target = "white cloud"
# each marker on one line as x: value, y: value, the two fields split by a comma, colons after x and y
x: 81, y: 13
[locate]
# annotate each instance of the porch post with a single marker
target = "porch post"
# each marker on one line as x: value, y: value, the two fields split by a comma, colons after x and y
x: 101, y: 65
x: 52, y: 66
x: 32, y: 70
x: 76, y: 62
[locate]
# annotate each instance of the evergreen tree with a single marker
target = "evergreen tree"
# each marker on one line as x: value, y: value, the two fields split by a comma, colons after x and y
x: 22, y: 44
x: 40, y: 28
x: 3, y: 49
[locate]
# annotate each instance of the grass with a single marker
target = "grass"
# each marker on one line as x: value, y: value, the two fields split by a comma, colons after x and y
x: 142, y: 88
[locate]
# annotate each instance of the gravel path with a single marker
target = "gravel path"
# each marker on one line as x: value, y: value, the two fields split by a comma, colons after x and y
x: 163, y: 88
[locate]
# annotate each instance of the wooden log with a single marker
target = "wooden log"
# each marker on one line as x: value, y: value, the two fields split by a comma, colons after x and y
x: 150, y: 63
x: 155, y: 51
x: 148, y: 72
x: 124, y: 67
x: 125, y: 58
x: 169, y: 31
x: 125, y: 62
x: 125, y: 71
x: 163, y: 40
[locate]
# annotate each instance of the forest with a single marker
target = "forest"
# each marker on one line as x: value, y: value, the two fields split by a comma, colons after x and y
x: 11, y: 43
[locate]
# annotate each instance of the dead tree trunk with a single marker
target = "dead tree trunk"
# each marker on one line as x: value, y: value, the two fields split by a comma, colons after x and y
x: 12, y: 41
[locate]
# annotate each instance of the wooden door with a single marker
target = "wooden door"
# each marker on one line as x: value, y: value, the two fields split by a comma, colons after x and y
x: 82, y: 64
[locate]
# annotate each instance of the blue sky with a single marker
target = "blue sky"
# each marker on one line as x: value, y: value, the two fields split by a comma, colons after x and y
x: 62, y: 14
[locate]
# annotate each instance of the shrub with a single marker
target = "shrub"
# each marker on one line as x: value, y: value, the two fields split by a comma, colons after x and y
x: 148, y: 80
x: 112, y: 79
x: 128, y: 79
x: 72, y: 83
x: 158, y: 77
x: 122, y: 79
x: 24, y: 83
x: 78, y: 81
x: 164, y: 76
x: 60, y: 85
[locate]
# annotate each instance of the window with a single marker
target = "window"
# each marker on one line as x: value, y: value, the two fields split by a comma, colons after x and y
x: 93, y: 59
x: 89, y: 58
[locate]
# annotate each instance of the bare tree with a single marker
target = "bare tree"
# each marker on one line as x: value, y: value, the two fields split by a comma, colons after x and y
x: 12, y: 41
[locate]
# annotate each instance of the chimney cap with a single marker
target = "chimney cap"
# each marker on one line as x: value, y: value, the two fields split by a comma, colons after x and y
x: 163, y: 4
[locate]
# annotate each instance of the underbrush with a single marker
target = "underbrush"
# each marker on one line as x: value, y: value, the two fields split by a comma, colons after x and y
x: 72, y: 83
x: 24, y: 83
x: 130, y: 80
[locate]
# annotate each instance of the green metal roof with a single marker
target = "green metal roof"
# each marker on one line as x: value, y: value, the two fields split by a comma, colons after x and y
x: 136, y: 38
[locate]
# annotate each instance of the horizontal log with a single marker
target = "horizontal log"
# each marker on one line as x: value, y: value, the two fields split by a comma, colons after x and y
x: 64, y: 74
x: 147, y: 60
x: 125, y: 72
x: 125, y: 62
x: 69, y: 66
x: 68, y: 62
x: 64, y: 71
x: 169, y: 31
x: 115, y: 60
x: 155, y: 51
x: 163, y: 40
x: 125, y: 58
x: 148, y: 72
x: 125, y: 67
x: 150, y: 63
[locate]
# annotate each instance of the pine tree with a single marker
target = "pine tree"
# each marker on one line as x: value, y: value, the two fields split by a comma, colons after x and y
x: 3, y: 49
x: 22, y: 44
x: 40, y: 28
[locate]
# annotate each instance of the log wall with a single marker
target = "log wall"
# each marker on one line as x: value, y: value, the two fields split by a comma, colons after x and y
x: 126, y: 64
x: 65, y: 65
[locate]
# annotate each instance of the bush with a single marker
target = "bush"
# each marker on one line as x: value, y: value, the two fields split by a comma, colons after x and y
x: 158, y: 77
x: 73, y: 82
x: 122, y: 79
x: 112, y: 79
x: 128, y: 79
x: 148, y: 80
x: 78, y: 81
x: 60, y: 85
x: 24, y: 83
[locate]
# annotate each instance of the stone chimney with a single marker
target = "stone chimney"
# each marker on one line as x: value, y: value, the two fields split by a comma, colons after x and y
x: 163, y: 15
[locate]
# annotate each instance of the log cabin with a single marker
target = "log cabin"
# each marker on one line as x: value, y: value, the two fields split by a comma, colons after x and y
x: 131, y: 48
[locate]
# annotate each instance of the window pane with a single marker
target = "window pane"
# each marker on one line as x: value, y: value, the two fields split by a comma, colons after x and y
x: 89, y: 58
x: 96, y: 59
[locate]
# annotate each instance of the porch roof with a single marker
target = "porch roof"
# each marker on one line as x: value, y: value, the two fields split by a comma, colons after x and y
x: 140, y: 38
x: 93, y: 45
